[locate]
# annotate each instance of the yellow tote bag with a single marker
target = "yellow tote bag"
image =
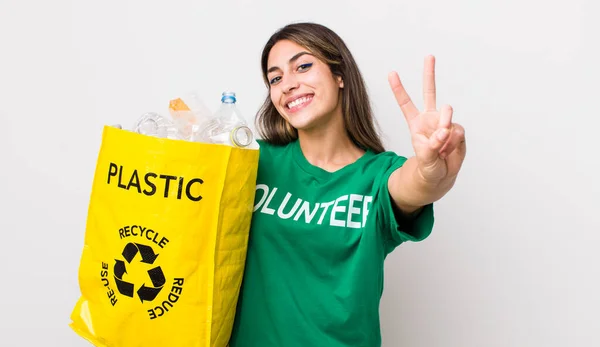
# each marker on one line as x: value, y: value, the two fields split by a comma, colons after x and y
x: 165, y: 242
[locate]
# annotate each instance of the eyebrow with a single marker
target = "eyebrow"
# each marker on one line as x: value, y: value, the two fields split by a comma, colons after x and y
x: 292, y: 60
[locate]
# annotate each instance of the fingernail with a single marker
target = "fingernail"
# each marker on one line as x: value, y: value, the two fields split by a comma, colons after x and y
x: 443, y: 134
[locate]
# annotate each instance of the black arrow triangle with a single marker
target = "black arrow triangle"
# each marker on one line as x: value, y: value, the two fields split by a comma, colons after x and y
x: 119, y: 269
x: 147, y: 253
x: 148, y: 293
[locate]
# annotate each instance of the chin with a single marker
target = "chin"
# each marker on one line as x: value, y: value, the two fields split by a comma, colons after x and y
x: 305, y: 126
x: 302, y: 123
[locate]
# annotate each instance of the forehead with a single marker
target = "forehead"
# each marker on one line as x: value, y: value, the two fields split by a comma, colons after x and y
x: 283, y: 51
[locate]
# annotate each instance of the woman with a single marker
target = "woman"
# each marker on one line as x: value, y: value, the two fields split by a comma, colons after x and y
x: 330, y: 202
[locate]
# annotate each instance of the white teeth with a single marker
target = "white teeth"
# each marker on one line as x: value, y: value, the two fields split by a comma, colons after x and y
x: 298, y: 102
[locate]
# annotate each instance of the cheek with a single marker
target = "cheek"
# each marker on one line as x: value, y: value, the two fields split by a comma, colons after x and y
x: 275, y: 98
x: 274, y: 95
x: 325, y: 84
x: 314, y: 79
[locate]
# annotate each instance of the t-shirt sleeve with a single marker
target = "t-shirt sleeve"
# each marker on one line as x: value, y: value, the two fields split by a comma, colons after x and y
x: 395, y: 228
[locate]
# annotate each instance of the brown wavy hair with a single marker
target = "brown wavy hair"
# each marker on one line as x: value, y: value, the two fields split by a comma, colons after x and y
x: 327, y: 46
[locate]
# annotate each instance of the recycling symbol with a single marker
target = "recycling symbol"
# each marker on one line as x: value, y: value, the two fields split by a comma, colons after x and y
x: 145, y: 293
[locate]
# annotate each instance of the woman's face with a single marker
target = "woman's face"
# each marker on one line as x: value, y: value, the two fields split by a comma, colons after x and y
x: 302, y: 87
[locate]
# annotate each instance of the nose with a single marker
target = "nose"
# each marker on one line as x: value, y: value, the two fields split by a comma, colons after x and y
x: 289, y: 83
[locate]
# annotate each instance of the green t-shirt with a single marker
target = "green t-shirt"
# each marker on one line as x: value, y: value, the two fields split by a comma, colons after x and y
x: 318, y: 240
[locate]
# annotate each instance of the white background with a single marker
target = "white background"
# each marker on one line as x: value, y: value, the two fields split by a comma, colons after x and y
x: 513, y: 259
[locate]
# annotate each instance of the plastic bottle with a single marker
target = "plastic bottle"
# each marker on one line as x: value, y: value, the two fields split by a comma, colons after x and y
x: 189, y: 115
x: 227, y: 126
x: 153, y: 124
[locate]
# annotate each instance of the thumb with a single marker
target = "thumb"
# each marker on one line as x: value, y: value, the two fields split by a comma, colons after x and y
x: 435, y: 143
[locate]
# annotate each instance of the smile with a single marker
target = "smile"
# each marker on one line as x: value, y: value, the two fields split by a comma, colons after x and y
x: 299, y: 103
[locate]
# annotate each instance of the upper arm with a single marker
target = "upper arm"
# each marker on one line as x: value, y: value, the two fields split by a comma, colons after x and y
x: 397, y: 226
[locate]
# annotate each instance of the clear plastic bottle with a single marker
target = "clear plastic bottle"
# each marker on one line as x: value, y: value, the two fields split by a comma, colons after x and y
x: 153, y: 124
x: 227, y: 126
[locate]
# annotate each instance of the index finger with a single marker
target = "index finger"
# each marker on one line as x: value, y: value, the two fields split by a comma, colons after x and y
x: 409, y: 109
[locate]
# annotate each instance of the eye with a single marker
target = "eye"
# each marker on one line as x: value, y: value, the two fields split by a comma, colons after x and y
x: 274, y: 80
x: 304, y: 67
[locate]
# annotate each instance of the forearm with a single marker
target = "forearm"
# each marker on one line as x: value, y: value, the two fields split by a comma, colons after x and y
x: 410, y: 191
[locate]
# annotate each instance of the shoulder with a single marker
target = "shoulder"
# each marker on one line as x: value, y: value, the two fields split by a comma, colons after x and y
x: 270, y: 152
x: 270, y: 148
x: 274, y: 159
x: 385, y: 162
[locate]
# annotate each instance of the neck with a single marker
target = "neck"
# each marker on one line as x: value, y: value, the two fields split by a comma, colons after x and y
x: 329, y: 147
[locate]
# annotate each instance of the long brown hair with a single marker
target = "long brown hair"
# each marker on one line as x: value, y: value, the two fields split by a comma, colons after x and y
x: 327, y: 46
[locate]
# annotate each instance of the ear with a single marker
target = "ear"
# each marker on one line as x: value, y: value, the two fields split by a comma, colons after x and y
x: 340, y: 81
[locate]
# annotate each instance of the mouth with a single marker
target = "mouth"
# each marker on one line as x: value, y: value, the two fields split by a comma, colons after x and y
x: 299, y: 103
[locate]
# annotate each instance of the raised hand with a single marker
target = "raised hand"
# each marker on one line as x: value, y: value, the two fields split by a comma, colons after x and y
x: 439, y: 144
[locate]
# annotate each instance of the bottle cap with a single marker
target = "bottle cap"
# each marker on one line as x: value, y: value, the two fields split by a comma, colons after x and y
x: 228, y: 97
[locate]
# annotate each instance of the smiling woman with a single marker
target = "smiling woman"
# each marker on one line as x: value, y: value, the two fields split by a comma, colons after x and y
x: 312, y: 55
x: 331, y: 202
x: 294, y: 83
